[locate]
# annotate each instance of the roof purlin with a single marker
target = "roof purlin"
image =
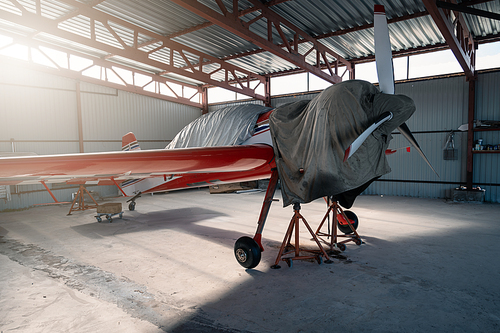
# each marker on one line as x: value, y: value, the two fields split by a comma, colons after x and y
x: 232, y: 23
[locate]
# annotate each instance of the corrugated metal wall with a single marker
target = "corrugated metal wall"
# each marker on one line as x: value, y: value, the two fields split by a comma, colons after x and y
x: 215, y: 107
x: 39, y: 112
x: 108, y: 114
x: 486, y: 166
x: 276, y: 102
x: 442, y: 106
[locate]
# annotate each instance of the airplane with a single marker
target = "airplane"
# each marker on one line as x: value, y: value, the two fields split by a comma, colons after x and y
x: 254, y: 156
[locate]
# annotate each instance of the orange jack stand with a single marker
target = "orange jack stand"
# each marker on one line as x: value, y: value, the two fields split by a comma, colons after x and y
x: 346, y: 221
x: 81, y: 202
x: 287, y: 248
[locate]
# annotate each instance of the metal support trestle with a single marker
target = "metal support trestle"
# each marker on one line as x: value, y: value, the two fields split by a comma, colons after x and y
x: 81, y: 201
x: 287, y: 248
x: 347, y: 223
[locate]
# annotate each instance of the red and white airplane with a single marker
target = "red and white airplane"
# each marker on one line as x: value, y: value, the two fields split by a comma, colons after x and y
x: 137, y: 171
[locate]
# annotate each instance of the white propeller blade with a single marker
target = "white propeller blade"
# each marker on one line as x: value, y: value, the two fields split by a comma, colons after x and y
x: 385, y: 72
x: 383, y: 51
x: 359, y: 141
x: 405, y: 131
x: 385, y: 69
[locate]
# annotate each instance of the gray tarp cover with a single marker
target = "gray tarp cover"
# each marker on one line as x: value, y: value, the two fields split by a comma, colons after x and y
x: 313, y: 135
x: 225, y: 127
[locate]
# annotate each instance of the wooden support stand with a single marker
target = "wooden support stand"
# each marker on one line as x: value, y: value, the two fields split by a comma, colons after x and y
x: 348, y: 223
x: 80, y: 201
x: 287, y: 248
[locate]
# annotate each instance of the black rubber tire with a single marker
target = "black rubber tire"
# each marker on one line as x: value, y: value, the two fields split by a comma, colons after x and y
x: 247, y: 252
x: 354, y: 221
x: 131, y: 206
x: 341, y: 246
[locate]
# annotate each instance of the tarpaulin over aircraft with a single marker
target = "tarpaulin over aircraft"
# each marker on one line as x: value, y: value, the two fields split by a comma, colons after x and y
x: 310, y: 138
x: 225, y: 127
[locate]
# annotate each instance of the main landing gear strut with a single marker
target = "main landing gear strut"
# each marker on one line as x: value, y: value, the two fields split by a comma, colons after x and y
x: 248, y: 250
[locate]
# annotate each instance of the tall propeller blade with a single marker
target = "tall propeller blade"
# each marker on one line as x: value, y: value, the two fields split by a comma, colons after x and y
x: 383, y: 51
x: 409, y: 136
x: 385, y: 69
x: 385, y: 72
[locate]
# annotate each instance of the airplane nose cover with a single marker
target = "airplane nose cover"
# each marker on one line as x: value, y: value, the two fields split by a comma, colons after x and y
x: 310, y: 138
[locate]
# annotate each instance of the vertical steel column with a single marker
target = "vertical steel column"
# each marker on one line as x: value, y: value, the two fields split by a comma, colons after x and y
x: 204, y: 100
x: 408, y: 67
x: 267, y: 93
x: 470, y: 132
x: 79, y: 116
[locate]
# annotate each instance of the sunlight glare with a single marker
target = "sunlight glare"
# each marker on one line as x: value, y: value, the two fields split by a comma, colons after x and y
x: 4, y: 40
x: 16, y: 51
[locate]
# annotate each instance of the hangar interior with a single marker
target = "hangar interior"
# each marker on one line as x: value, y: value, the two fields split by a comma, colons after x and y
x: 77, y: 75
x: 95, y: 70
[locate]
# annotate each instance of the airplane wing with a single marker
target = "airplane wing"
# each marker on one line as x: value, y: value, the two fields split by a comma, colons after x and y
x: 131, y: 164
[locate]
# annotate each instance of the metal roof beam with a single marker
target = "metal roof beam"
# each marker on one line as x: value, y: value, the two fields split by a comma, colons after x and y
x: 336, y: 33
x: 191, y: 69
x: 231, y: 22
x: 194, y: 59
x: 208, y: 24
x: 354, y: 29
x: 464, y: 9
x: 158, y: 86
x: 457, y: 36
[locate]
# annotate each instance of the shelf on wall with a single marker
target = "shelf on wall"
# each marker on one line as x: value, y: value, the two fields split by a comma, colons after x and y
x: 486, y: 129
x: 486, y: 151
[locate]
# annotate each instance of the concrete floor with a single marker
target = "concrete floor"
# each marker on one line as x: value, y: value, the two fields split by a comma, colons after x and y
x: 425, y: 266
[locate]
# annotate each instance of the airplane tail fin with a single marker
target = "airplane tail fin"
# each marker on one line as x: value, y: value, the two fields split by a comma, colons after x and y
x: 129, y: 142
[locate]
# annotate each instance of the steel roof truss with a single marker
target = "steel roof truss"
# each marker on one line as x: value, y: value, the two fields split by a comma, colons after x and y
x: 157, y: 82
x: 464, y: 9
x: 130, y: 47
x: 285, y: 48
x: 456, y: 34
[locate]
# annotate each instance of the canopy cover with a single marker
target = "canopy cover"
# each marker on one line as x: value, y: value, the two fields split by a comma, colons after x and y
x: 229, y: 126
x: 310, y: 138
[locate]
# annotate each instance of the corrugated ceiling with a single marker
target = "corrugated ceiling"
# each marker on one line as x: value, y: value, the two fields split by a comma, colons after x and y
x: 319, y: 18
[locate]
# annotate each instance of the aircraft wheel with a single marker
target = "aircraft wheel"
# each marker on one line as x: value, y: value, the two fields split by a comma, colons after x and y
x: 354, y: 221
x: 247, y: 252
x: 131, y: 206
